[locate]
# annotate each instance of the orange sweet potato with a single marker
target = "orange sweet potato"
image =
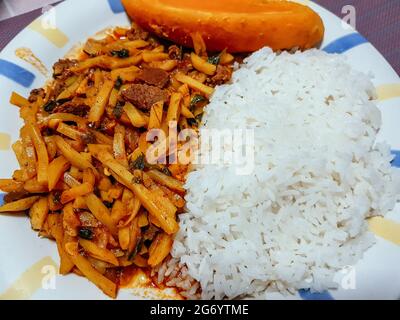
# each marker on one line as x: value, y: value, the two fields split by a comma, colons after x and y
x: 237, y: 25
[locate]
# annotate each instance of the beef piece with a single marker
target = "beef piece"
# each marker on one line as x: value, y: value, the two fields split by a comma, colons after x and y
x: 150, y: 232
x: 137, y: 34
x: 131, y: 139
x: 58, y: 87
x: 222, y: 75
x: 185, y: 65
x: 144, y: 96
x: 88, y: 138
x: 35, y: 94
x: 175, y: 53
x: 62, y: 66
x: 75, y: 107
x: 154, y: 76
x: 107, y: 126
x: 94, y: 47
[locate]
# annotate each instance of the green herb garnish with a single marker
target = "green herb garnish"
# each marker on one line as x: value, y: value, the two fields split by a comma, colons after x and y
x: 124, y: 53
x: 196, y: 120
x: 118, y: 83
x: 139, y: 163
x: 196, y: 99
x: 118, y: 110
x: 215, y: 59
x: 86, y: 233
x: 136, y: 250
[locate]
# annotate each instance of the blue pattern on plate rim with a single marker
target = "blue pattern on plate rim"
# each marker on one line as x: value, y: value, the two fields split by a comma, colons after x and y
x: 345, y: 43
x: 116, y: 6
x: 396, y: 161
x: 306, y: 294
x: 16, y: 73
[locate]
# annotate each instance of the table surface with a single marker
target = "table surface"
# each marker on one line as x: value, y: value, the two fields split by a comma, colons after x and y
x: 377, y: 20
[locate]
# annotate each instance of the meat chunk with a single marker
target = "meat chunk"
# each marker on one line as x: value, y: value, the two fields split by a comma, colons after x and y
x: 174, y: 52
x: 107, y: 126
x: 131, y: 139
x: 144, y: 96
x: 75, y: 107
x: 87, y: 137
x: 222, y: 75
x: 185, y: 65
x: 154, y: 76
x: 62, y: 66
x: 57, y: 87
x: 35, y: 94
x: 137, y: 34
x: 94, y: 47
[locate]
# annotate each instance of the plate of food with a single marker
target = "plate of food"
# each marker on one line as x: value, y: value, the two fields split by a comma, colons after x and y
x: 197, y: 150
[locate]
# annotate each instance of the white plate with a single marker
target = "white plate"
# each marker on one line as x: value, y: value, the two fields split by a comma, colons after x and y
x: 27, y: 262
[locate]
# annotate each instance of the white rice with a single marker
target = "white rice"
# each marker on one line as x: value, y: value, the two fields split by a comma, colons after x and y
x: 174, y: 274
x: 299, y: 217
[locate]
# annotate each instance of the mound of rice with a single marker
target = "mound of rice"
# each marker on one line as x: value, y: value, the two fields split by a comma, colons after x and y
x: 300, y: 216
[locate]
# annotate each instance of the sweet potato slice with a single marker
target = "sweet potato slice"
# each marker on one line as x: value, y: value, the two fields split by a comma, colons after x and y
x: 235, y: 25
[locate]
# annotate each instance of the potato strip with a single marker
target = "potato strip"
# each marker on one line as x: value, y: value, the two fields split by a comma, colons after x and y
x: 74, y: 157
x: 106, y: 285
x: 194, y: 84
x: 146, y: 198
x: 41, y: 151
